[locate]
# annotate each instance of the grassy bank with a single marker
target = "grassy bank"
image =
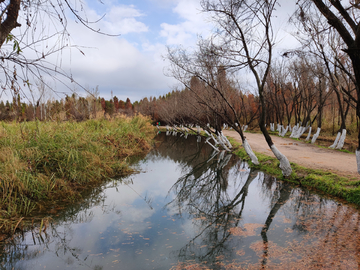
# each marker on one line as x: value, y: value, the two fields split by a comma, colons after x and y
x: 44, y: 162
x: 327, y: 182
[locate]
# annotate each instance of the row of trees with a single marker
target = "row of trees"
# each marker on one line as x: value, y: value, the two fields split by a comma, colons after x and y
x: 327, y: 63
x: 70, y: 108
x: 296, y: 91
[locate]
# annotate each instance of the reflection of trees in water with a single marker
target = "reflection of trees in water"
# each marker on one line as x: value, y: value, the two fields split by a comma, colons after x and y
x: 279, y: 197
x: 333, y: 237
x: 181, y: 150
x: 55, y: 229
x: 326, y: 233
x: 203, y: 192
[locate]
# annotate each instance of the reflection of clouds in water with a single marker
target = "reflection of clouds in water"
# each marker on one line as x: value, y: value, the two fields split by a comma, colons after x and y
x: 239, y: 174
x: 257, y: 206
x: 173, y: 209
x: 164, y: 174
x: 133, y: 225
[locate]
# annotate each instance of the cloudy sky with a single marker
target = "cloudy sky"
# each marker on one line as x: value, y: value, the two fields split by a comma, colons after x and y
x: 132, y: 64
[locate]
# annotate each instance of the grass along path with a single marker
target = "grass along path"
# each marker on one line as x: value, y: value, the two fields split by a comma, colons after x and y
x: 331, y: 179
x: 42, y: 162
x: 304, y: 154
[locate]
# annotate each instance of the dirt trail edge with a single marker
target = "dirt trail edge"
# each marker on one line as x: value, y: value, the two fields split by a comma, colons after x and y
x: 304, y: 154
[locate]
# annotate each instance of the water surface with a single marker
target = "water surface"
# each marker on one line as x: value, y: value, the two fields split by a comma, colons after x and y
x: 192, y: 208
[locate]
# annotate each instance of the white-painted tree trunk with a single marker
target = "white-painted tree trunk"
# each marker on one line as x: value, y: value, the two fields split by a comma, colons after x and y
x: 308, y: 136
x: 221, y: 156
x: 198, y: 129
x: 299, y: 132
x: 213, y: 146
x: 316, y: 135
x: 357, y: 153
x: 198, y: 139
x: 221, y: 142
x: 280, y: 129
x: 225, y: 140
x: 245, y: 128
x: 294, y: 130
x: 340, y: 144
x: 284, y: 162
x: 213, y: 154
x: 215, y: 140
x: 250, y: 152
x: 285, y: 131
x: 336, y: 141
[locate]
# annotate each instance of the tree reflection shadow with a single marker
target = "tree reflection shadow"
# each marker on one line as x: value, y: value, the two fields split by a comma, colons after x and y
x: 25, y: 247
x: 203, y: 192
x: 323, y: 233
x: 284, y: 192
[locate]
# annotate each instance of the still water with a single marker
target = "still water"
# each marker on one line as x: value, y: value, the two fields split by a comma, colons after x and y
x: 192, y: 208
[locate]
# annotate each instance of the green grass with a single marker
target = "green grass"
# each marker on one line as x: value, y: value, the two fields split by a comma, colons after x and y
x: 326, y: 182
x: 43, y: 162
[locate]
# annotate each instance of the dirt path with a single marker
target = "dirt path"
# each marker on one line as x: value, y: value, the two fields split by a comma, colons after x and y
x: 304, y: 154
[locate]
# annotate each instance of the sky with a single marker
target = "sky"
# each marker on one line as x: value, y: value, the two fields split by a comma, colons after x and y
x: 131, y: 65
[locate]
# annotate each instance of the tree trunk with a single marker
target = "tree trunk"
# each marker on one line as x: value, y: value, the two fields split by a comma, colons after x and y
x: 284, y: 162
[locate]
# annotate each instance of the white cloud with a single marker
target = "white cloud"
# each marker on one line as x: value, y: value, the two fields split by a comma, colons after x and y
x: 115, y: 63
x: 194, y: 22
x: 122, y: 19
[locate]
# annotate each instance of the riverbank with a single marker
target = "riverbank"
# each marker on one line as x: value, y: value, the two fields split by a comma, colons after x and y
x: 330, y: 171
x: 42, y: 163
x: 304, y: 153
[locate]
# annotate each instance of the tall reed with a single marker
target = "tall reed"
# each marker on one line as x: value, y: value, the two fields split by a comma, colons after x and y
x: 41, y: 162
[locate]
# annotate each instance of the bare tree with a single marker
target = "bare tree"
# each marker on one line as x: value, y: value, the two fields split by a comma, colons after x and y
x: 204, y: 74
x: 30, y: 32
x: 246, y: 40
x: 343, y: 17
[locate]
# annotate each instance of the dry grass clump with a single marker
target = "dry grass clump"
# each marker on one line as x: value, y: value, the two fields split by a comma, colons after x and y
x: 41, y: 162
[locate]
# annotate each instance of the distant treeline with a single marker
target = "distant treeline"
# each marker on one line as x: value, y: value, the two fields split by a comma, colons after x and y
x: 70, y: 108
